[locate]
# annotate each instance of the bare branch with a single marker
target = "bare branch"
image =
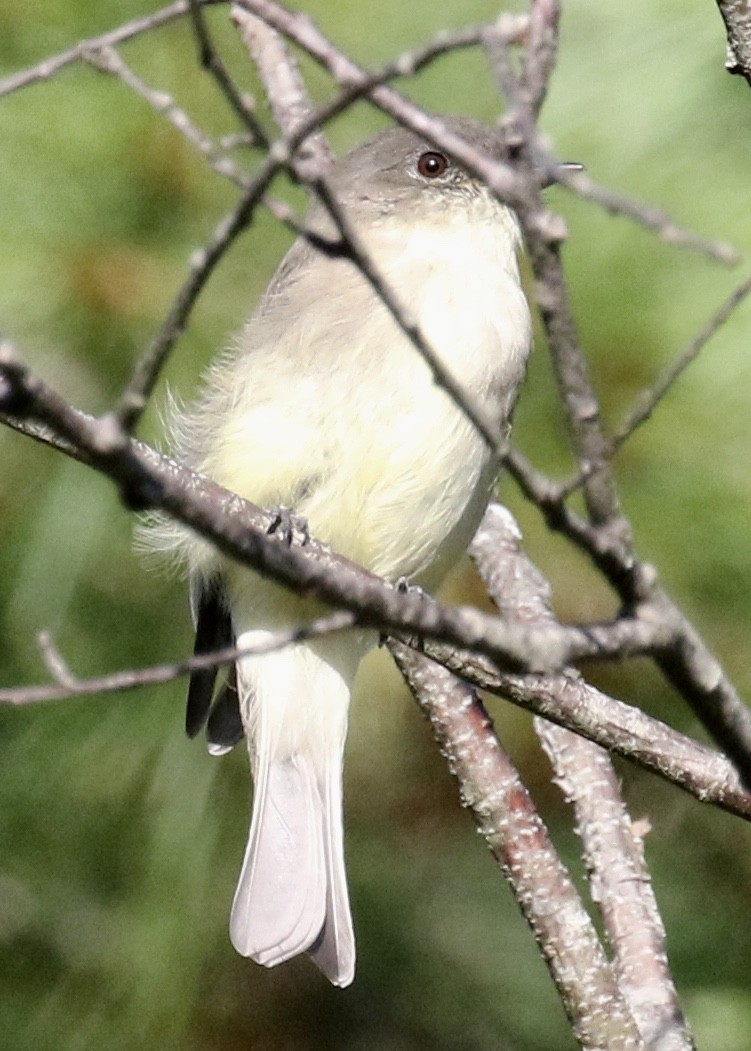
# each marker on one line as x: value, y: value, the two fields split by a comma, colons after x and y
x: 357, y: 83
x: 303, y: 31
x: 650, y: 399
x: 541, y: 51
x: 411, y: 62
x: 147, y: 370
x: 539, y: 35
x: 653, y: 219
x: 737, y: 18
x: 543, y: 235
x: 687, y: 663
x: 67, y: 686
x: 51, y: 66
x: 566, y: 699
x: 108, y: 60
x: 211, y: 61
x: 619, y: 878
x: 613, y: 851
x: 626, y: 731
x: 472, y: 408
x: 56, y: 665
x: 574, y: 385
x: 571, y: 702
x: 285, y: 89
x: 506, y: 817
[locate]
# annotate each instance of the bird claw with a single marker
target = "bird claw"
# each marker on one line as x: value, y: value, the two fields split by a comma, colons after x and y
x: 290, y: 527
x: 403, y: 586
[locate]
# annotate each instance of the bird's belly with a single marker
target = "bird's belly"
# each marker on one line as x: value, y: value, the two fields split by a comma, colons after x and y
x: 404, y: 494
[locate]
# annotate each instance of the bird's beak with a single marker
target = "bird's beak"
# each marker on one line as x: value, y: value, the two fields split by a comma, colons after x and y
x: 564, y: 168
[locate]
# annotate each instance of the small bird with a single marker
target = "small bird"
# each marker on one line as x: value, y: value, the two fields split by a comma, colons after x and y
x: 323, y: 406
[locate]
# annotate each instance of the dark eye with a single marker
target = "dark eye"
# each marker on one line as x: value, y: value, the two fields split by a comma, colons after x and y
x: 432, y: 164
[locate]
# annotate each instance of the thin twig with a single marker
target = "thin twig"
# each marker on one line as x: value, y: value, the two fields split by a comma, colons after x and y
x: 543, y: 239
x: 473, y: 409
x: 68, y: 686
x: 211, y: 60
x: 51, y: 66
x: 653, y: 219
x: 541, y: 52
x: 55, y: 662
x: 650, y: 399
x: 357, y: 83
x: 407, y: 64
x: 108, y: 60
x: 688, y: 664
x: 147, y: 370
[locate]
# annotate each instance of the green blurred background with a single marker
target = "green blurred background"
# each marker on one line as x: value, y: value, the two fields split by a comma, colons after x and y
x: 120, y: 840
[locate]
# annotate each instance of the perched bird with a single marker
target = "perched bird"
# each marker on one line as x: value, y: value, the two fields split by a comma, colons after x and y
x: 322, y: 405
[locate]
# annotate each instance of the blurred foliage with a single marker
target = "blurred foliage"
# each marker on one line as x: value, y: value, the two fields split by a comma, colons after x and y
x: 120, y: 840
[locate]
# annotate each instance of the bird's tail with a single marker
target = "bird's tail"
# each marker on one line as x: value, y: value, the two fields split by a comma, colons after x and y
x: 292, y: 893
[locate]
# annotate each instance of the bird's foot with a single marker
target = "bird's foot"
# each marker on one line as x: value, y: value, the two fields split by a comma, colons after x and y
x: 403, y: 586
x: 290, y: 527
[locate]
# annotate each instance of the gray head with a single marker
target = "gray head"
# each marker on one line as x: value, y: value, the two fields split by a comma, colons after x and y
x: 399, y: 169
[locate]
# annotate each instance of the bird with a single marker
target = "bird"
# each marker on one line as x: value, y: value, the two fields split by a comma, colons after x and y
x: 323, y: 407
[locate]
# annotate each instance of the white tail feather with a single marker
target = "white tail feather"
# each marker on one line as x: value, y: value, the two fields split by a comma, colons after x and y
x: 292, y: 893
x: 335, y: 952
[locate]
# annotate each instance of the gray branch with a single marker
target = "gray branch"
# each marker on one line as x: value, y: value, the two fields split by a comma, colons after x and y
x: 736, y: 14
x: 613, y: 851
x: 506, y: 817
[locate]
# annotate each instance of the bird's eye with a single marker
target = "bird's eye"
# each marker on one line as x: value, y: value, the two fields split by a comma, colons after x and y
x: 432, y: 164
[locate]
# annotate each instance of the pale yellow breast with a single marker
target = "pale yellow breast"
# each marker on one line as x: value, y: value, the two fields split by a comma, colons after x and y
x: 335, y: 412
